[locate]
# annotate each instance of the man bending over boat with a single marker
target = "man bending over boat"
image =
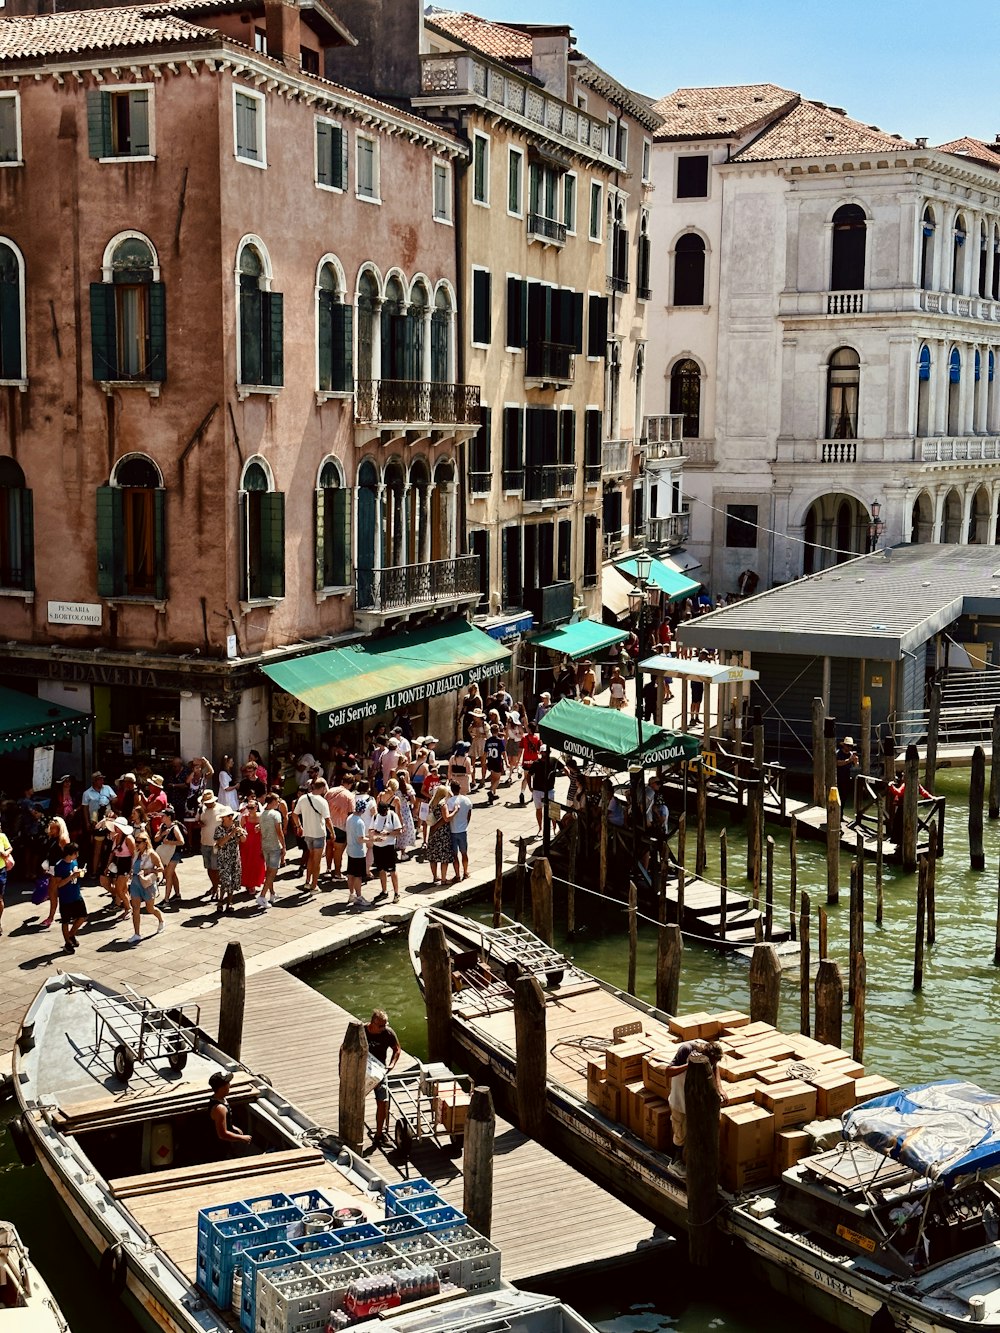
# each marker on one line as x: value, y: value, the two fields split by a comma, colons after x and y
x: 381, y: 1042
x: 222, y: 1115
x: 678, y: 1077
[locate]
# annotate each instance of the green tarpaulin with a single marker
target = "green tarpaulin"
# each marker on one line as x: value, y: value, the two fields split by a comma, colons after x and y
x: 676, y: 586
x: 603, y: 736
x: 580, y: 640
x: 362, y: 680
x: 27, y: 721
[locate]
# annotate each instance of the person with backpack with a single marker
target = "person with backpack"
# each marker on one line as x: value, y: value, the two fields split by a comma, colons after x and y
x: 168, y: 840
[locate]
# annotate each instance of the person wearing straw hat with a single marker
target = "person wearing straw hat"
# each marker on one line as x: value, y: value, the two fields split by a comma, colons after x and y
x: 209, y: 812
x: 847, y: 766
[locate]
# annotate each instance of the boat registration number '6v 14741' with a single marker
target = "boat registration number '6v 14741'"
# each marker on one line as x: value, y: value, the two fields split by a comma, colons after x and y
x: 856, y: 1238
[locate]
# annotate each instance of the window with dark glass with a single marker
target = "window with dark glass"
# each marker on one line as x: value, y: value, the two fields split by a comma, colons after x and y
x: 541, y: 447
x: 479, y: 544
x: 689, y: 270
x: 262, y: 513
x: 511, y: 581
x: 482, y: 320
x: 10, y: 145
x: 481, y: 169
x: 591, y: 554
x: 597, y: 326
x: 249, y: 126
x: 593, y: 431
x: 958, y: 256
x: 612, y: 513
x: 513, y: 448
x: 440, y: 336
x: 131, y: 531
x: 11, y: 315
x: 17, y: 544
x: 927, y: 229
x: 685, y: 396
x: 331, y: 155
x: 842, y: 385
x: 333, y: 505
x: 741, y: 526
x: 480, y: 448
x: 308, y: 60
x: 564, y: 553
x: 261, y: 324
x: 128, y: 318
x: 850, y: 229
x: 692, y: 176
x: 336, y: 335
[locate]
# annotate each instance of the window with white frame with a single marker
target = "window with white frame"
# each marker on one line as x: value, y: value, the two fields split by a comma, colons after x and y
x: 367, y: 168
x: 442, y: 191
x: 569, y: 202
x: 12, y: 347
x: 248, y: 126
x: 331, y: 154
x: 119, y: 122
x: 515, y: 182
x: 10, y: 130
x: 647, y: 159
x: 596, y: 210
x: 481, y: 169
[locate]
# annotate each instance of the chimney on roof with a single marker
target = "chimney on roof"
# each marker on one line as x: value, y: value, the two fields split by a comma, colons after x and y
x: 921, y: 141
x: 550, y: 60
x: 284, y: 39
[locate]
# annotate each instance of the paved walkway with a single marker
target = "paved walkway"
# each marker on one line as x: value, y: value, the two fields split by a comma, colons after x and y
x: 184, y: 960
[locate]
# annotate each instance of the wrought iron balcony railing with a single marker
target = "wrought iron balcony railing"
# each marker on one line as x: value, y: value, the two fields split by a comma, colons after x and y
x: 546, y: 229
x: 402, y: 586
x: 554, y: 362
x: 418, y: 401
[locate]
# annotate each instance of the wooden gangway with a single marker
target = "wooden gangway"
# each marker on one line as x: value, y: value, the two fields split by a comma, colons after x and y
x: 549, y: 1220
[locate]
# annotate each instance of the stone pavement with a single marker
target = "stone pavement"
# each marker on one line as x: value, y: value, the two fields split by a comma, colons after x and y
x: 184, y: 960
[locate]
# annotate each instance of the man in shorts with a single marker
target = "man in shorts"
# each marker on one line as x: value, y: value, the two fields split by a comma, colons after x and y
x: 356, y: 834
x: 383, y: 1044
x: 66, y: 876
x: 340, y: 799
x: 678, y: 1075
x: 542, y: 776
x: 458, y: 810
x: 272, y: 844
x: 208, y: 818
x: 311, y: 818
x: 496, y: 760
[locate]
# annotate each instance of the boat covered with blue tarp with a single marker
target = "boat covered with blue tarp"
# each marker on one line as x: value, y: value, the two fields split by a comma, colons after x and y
x: 942, y: 1130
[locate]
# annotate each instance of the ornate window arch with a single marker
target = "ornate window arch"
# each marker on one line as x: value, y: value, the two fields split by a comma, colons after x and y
x: 843, y: 384
x: 850, y: 233
x: 128, y: 314
x: 685, y: 395
x: 333, y: 515
x: 689, y: 269
x: 260, y: 344
x: 13, y: 350
x: 334, y: 329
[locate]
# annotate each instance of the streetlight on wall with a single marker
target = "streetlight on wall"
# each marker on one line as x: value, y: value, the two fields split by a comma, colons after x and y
x: 876, y: 527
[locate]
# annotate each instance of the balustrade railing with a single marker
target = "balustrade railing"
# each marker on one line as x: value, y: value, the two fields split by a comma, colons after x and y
x: 401, y: 586
x: 668, y: 530
x: 616, y: 457
x: 546, y: 228
x: 845, y: 303
x: 416, y: 400
x: 550, y: 361
x: 667, y: 428
x: 838, y: 451
x: 616, y: 283
x: 958, y: 449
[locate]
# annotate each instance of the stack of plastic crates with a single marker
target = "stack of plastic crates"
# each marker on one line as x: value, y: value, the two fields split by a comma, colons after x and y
x: 226, y: 1230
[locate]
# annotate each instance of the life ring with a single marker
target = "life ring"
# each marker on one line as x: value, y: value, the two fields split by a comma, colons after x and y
x: 114, y: 1268
x: 22, y: 1142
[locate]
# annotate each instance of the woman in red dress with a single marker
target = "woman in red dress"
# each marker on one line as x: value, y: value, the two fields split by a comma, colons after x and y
x: 252, y: 868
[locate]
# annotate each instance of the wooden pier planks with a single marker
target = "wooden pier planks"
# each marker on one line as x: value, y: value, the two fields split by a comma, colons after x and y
x: 548, y: 1219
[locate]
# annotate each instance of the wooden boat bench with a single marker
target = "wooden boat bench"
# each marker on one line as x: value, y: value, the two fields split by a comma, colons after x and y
x: 229, y: 1169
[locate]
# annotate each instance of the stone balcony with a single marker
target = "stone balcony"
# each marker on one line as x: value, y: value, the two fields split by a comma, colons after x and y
x: 668, y: 531
x: 397, y: 591
x: 944, y: 449
x: 884, y: 301
x: 616, y: 458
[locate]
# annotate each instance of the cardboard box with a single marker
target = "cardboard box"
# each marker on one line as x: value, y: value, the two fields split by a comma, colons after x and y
x: 835, y: 1094
x: 789, y: 1146
x: 686, y: 1027
x: 777, y: 1073
x: 731, y: 1020
x: 597, y: 1077
x: 758, y: 1029
x: 746, y: 1134
x: 624, y: 1061
x: 790, y: 1103
x: 656, y: 1124
x: 845, y: 1066
x: 873, y: 1085
x: 738, y: 1176
x: 452, y: 1110
x: 654, y: 1071
x: 739, y: 1093
x: 774, y: 1048
x: 611, y: 1103
x: 804, y: 1047
x: 736, y: 1068
x: 641, y: 1099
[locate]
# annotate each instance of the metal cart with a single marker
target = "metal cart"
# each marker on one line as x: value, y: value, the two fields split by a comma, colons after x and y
x: 413, y: 1096
x: 139, y: 1032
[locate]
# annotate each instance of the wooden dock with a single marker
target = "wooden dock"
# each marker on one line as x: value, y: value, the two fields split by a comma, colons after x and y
x: 548, y: 1220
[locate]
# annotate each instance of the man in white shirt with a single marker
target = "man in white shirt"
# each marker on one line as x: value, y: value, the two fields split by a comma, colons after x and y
x: 402, y: 744
x: 311, y: 817
x: 458, y: 812
x: 385, y: 828
x: 302, y: 766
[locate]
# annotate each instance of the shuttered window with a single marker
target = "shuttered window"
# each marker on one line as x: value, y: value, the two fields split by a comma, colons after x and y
x: 334, y: 507
x: 517, y: 312
x: 262, y: 516
x: 513, y: 448
x: 367, y: 172
x: 481, y: 169
x: 261, y: 318
x: 479, y: 544
x: 331, y: 155
x: 442, y: 191
x: 482, y: 286
x: 10, y: 147
x: 118, y: 123
x: 480, y: 450
x: 565, y: 550
x: 511, y: 590
x: 128, y: 319
x: 591, y: 532
x: 336, y: 344
x: 131, y: 533
x: 17, y: 546
x: 567, y: 438
x: 593, y: 426
x: 249, y: 114
x: 597, y: 326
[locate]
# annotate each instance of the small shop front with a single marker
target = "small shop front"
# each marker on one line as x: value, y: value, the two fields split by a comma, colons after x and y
x: 336, y: 698
x: 31, y: 729
x: 584, y: 639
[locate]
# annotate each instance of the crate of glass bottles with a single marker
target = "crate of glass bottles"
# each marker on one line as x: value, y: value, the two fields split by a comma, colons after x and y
x: 276, y: 1254
x: 226, y: 1241
x: 397, y: 1193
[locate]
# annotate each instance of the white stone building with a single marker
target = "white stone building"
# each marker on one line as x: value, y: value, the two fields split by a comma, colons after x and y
x: 828, y: 322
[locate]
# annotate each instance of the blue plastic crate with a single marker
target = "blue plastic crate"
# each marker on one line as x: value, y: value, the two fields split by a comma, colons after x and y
x: 400, y: 1225
x: 252, y: 1262
x: 364, y: 1234
x: 264, y: 1203
x: 407, y: 1189
x: 317, y: 1242
x: 228, y: 1240
x: 208, y: 1218
x: 313, y: 1201
x: 280, y: 1220
x: 440, y: 1219
x: 421, y: 1202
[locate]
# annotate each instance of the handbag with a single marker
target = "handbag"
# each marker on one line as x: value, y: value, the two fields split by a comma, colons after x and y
x: 8, y: 861
x: 41, y: 890
x: 147, y: 878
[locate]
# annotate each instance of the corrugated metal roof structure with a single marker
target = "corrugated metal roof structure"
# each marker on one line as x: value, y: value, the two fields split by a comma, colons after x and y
x: 879, y: 606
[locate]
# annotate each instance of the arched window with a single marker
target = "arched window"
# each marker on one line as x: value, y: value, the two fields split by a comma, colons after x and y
x: 643, y: 259
x: 261, y: 316
x: 927, y: 228
x: 262, y: 516
x: 333, y: 529
x: 11, y: 313
x: 958, y: 256
x: 618, y: 247
x: 689, y: 270
x: 367, y: 307
x: 923, y: 390
x: 131, y: 536
x: 396, y: 331
x: 685, y: 396
x: 417, y: 319
x: 847, y: 271
x: 335, y: 334
x: 128, y: 316
x: 367, y: 527
x: 418, y: 514
x: 954, y: 391
x: 843, y: 380
x: 441, y: 323
x: 17, y: 546
x: 984, y: 260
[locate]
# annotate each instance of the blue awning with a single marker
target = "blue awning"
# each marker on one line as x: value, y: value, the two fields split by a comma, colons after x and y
x: 505, y: 630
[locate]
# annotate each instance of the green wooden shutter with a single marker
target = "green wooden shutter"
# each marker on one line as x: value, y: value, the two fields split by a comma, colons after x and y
x: 102, y: 331
x: 157, y: 368
x: 110, y: 541
x: 481, y: 314
x: 338, y: 157
x: 272, y: 544
x: 274, y: 332
x: 245, y: 580
x: 27, y: 540
x: 517, y: 312
x: 98, y: 124
x: 577, y: 322
x: 10, y: 329
x: 138, y: 122
x: 597, y: 331
x: 343, y: 348
x: 342, y: 500
x: 326, y: 324
x: 251, y: 352
x: 319, y: 513
x: 160, y: 542
x: 324, y: 153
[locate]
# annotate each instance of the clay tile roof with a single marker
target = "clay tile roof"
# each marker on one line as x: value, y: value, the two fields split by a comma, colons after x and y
x: 72, y: 33
x: 495, y: 40
x: 987, y: 154
x: 705, y: 113
x: 814, y: 130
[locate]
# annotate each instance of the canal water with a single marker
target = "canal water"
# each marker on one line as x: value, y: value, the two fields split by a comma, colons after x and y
x: 947, y: 1030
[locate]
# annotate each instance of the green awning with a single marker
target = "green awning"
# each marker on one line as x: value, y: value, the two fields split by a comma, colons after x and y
x: 580, y: 640
x: 609, y: 738
x: 676, y: 586
x: 27, y: 721
x: 361, y: 680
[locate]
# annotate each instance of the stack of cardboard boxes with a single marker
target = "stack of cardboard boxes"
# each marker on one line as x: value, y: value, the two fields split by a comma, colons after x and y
x: 451, y: 1107
x: 765, y: 1101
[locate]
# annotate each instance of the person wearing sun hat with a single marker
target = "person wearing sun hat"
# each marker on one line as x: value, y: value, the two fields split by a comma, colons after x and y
x: 209, y: 810
x: 229, y: 833
x: 847, y: 766
x: 356, y: 833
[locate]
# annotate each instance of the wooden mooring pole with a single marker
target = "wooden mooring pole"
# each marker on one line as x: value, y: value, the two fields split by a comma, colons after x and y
x: 477, y: 1161
x: 977, y: 786
x: 918, y: 943
x: 804, y: 961
x: 911, y: 795
x: 669, y: 954
x: 435, y: 973
x: 933, y: 726
x: 232, y: 999
x: 860, y: 979
x: 995, y: 765
x: 541, y: 900
x: 829, y: 1003
x: 996, y: 938
x: 572, y: 844
x: 498, y: 882
x: 866, y: 740
x: 821, y: 933
x: 531, y: 1046
x: 681, y: 872
x: 633, y: 935
x: 769, y: 890
x: 833, y: 847
x: 701, y: 855
x: 932, y: 861
x: 793, y: 873
x: 351, y: 1085
x: 879, y: 858
x: 520, y: 875
x: 723, y: 884
x: 755, y: 832
x: 702, y: 1160
x: 605, y: 801
x: 818, y: 752
x: 765, y: 984
x: 830, y: 750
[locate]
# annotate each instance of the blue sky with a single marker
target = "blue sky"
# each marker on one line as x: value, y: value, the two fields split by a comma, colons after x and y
x: 907, y: 69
